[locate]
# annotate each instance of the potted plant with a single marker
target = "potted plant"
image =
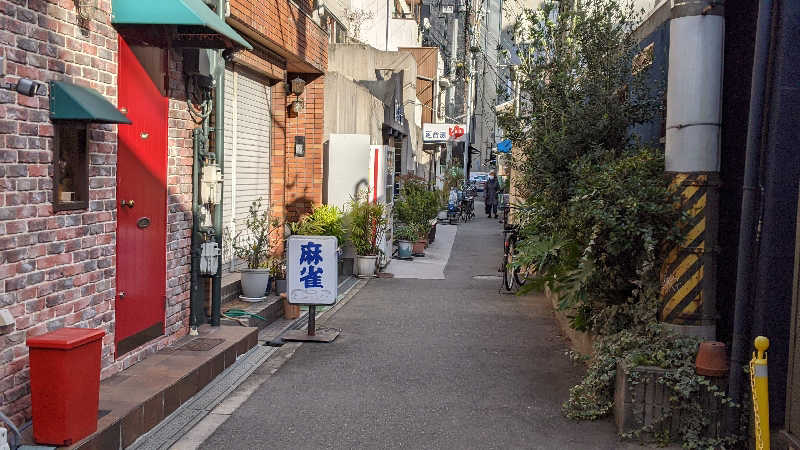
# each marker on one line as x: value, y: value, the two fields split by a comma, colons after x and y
x: 405, y: 235
x: 253, y: 244
x: 431, y: 213
x: 367, y: 224
x: 420, y: 242
x: 277, y: 271
x: 324, y: 220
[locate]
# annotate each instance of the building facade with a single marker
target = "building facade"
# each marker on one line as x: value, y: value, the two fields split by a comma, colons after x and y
x: 97, y: 219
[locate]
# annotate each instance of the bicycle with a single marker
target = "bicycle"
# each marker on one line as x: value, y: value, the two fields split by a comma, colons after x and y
x: 511, y: 274
x: 467, y: 209
x: 505, y: 206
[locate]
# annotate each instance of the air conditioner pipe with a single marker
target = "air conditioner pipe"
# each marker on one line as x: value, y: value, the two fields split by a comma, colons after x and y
x: 746, y: 258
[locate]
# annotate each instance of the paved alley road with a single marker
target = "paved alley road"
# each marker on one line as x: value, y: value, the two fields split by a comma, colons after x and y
x: 425, y: 364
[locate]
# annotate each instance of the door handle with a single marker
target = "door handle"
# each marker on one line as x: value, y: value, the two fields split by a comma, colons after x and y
x: 121, y: 294
x: 128, y: 203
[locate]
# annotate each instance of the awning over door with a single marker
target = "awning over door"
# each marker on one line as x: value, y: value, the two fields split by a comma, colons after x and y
x: 203, y: 22
x: 72, y: 102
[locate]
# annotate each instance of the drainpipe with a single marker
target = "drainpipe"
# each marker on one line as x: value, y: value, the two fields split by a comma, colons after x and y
x: 746, y: 259
x: 219, y: 154
x: 694, y: 116
x: 386, y: 46
x: 195, y: 299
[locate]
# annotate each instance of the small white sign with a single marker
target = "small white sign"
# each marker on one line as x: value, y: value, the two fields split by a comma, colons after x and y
x: 312, y: 270
x: 444, y: 132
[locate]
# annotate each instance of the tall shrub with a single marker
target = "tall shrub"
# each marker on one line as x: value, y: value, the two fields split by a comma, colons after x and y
x: 592, y: 189
x: 598, y: 212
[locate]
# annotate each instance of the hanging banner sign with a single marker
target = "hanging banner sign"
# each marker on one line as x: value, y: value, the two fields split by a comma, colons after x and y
x: 312, y: 270
x: 444, y: 132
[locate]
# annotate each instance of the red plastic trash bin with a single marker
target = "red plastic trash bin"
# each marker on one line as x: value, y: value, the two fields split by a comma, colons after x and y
x: 65, y: 384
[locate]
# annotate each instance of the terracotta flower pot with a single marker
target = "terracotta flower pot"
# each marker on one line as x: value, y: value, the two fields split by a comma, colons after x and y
x: 712, y: 359
x: 419, y: 247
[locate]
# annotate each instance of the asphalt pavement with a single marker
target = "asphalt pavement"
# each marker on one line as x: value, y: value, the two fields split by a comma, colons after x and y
x: 425, y: 364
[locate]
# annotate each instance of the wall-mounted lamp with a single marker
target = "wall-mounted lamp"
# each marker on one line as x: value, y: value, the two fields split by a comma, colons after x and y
x: 26, y: 86
x: 298, y: 86
x: 86, y: 8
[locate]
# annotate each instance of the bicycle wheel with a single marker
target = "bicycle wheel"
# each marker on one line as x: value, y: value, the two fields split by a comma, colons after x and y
x: 508, y: 271
x: 519, y: 278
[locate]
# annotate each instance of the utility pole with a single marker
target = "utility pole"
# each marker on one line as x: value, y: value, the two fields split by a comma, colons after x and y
x: 467, y: 86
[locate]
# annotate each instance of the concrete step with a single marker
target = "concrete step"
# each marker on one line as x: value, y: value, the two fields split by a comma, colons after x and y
x: 135, y: 400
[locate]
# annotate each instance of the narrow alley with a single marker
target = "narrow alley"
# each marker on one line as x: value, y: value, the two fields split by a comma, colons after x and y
x: 430, y: 364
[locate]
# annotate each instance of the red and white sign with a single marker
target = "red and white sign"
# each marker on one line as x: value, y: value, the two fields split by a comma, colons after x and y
x: 444, y: 132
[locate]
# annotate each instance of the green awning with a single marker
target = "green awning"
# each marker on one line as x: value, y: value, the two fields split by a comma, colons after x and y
x: 173, y: 12
x: 72, y: 102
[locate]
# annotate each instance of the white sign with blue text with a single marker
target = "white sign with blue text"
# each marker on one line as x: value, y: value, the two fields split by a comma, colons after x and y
x: 312, y: 270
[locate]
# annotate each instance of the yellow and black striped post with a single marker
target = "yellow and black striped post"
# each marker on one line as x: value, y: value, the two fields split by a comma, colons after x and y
x: 692, y: 155
x: 688, y: 285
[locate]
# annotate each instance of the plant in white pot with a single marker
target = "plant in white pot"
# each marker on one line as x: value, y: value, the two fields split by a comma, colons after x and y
x: 366, y: 224
x: 253, y: 244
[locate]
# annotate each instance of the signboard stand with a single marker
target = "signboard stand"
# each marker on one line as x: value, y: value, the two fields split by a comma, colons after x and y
x: 312, y: 275
x: 312, y: 334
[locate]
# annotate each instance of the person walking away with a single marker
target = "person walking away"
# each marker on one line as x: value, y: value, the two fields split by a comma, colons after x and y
x: 491, y: 190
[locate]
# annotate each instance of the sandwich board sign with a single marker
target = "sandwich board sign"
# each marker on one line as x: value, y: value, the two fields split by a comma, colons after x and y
x: 312, y: 279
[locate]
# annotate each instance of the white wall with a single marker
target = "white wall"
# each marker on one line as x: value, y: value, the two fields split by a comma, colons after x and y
x: 402, y: 32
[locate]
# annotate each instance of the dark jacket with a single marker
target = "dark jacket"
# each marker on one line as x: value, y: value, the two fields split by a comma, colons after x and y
x: 491, y: 190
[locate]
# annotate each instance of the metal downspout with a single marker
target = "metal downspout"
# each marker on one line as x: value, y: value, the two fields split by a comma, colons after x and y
x: 745, y: 270
x: 219, y: 153
x: 195, y: 307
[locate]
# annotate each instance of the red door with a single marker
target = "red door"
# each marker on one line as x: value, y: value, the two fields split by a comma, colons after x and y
x: 141, y: 206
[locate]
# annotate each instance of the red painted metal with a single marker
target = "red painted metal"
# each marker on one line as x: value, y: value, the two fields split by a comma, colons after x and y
x: 142, y: 178
x: 65, y: 384
x: 375, y: 166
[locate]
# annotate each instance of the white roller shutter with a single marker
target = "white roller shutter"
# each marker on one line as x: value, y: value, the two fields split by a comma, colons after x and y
x: 247, y: 147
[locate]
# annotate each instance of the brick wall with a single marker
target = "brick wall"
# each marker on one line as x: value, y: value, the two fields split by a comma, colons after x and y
x: 58, y: 269
x: 304, y: 174
x: 296, y: 183
x: 285, y: 27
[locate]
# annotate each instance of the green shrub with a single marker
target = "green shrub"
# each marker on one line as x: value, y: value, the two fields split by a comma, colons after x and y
x: 406, y: 233
x: 366, y: 224
x: 325, y: 220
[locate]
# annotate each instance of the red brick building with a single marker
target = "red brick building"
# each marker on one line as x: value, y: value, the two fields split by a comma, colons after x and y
x: 288, y: 44
x: 62, y: 242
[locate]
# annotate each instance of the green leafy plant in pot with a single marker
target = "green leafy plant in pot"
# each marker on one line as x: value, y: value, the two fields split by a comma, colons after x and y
x: 366, y: 225
x: 420, y: 238
x: 253, y: 244
x: 405, y: 235
x: 277, y: 271
x: 325, y: 220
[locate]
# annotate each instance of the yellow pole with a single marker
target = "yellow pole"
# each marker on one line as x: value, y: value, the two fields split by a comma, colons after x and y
x: 758, y: 384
